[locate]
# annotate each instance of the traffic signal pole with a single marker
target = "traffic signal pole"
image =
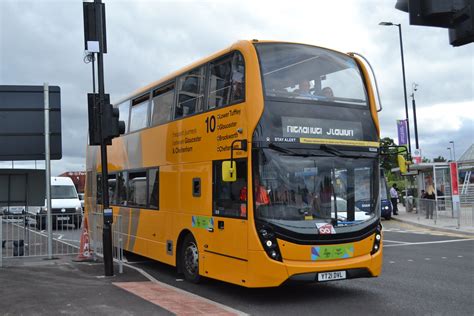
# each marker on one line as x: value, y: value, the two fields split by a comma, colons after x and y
x: 104, y: 123
x: 107, y: 212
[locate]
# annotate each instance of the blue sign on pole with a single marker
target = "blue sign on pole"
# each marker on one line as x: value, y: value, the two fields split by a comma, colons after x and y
x: 402, y: 132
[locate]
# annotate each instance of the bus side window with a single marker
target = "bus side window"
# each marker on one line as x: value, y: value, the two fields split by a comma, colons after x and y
x: 238, y: 78
x: 226, y: 81
x: 191, y: 93
x: 230, y: 198
x: 162, y: 105
x: 153, y: 188
x: 136, y: 189
x: 139, y: 113
x: 121, y: 195
x: 112, y: 185
x: 220, y: 82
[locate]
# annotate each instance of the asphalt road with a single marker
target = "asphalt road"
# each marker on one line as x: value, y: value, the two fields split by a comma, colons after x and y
x: 424, y: 273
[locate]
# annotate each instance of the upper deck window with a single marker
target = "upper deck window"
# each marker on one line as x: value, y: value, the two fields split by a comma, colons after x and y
x: 162, y: 105
x: 191, y: 93
x: 139, y: 113
x: 308, y: 73
x: 227, y: 81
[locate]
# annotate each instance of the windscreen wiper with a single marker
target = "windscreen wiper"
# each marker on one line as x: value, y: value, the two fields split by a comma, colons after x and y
x: 336, y: 152
x: 284, y: 150
x: 331, y: 150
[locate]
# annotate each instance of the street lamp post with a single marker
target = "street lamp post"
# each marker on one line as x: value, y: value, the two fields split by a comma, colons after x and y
x: 414, y: 88
x: 450, y: 154
x: 454, y: 152
x: 404, y: 81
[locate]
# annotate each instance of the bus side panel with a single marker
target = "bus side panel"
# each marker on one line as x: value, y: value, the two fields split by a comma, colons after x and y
x: 223, y: 268
x: 263, y: 271
x: 177, y: 200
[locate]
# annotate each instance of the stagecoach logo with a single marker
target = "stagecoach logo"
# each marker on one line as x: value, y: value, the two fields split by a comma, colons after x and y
x: 316, y: 128
x: 332, y: 252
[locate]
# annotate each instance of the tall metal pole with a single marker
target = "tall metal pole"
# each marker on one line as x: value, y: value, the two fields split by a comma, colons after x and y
x: 450, y: 154
x: 454, y: 152
x: 48, y: 171
x: 404, y: 86
x: 107, y: 227
x: 414, y: 115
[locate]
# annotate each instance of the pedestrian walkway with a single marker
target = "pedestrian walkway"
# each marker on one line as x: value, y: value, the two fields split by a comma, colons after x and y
x: 441, y: 224
x: 35, y: 286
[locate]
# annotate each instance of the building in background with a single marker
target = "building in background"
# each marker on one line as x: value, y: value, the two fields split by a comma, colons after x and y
x: 78, y: 177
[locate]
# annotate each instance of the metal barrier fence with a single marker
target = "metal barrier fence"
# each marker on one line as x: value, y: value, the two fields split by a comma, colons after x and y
x: 25, y: 235
x: 442, y: 211
x: 96, y: 222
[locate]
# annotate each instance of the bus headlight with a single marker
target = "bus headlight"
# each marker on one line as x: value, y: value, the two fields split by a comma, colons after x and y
x: 269, y: 242
x: 377, y: 239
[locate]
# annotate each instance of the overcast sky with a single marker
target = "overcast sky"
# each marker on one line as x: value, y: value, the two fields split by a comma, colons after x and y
x: 42, y: 41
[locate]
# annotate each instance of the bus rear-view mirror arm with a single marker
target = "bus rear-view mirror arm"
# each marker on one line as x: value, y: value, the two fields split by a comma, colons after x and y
x: 229, y: 168
x: 374, y: 81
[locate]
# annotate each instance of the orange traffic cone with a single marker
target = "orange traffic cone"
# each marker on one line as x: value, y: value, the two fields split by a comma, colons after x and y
x: 85, y: 253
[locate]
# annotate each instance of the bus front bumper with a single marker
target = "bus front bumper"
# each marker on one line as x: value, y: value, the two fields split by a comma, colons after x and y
x: 272, y: 273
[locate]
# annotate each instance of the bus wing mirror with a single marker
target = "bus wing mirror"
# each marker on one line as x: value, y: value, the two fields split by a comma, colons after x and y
x: 229, y: 171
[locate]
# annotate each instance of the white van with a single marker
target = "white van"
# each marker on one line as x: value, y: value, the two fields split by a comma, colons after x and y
x: 65, y: 205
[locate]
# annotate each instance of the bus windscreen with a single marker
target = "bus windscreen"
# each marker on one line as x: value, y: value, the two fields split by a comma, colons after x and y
x: 308, y: 73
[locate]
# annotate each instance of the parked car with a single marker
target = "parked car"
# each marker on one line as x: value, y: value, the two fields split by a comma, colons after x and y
x: 65, y: 205
x: 12, y: 210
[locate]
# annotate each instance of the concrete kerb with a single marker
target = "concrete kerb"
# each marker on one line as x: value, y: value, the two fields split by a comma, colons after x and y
x: 431, y: 227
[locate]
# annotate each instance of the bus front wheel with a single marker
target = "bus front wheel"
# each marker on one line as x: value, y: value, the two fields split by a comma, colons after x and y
x: 190, y: 259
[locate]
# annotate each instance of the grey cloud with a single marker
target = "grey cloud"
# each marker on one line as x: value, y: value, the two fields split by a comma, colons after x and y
x: 147, y: 40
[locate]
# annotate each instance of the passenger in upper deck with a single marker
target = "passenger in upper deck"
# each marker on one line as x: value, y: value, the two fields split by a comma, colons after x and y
x: 327, y: 92
x: 304, y: 90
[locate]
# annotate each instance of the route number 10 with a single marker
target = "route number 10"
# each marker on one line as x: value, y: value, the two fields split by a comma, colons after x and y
x: 211, y: 124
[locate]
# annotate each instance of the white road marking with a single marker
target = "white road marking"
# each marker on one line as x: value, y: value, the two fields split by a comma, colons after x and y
x: 395, y: 241
x: 460, y: 256
x: 443, y: 258
x: 427, y: 259
x: 429, y: 242
x: 410, y: 260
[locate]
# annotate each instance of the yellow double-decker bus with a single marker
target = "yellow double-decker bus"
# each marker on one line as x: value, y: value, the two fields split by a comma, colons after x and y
x: 256, y: 165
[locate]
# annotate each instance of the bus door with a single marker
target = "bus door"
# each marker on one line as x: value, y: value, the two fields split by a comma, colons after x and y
x: 227, y: 239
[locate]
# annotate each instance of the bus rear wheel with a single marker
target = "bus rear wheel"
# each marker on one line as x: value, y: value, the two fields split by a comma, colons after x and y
x: 190, y: 259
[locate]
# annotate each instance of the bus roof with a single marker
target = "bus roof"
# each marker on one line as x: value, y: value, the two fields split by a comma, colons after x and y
x: 242, y: 44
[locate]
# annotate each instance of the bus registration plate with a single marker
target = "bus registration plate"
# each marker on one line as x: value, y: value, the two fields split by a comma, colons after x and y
x: 330, y: 276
